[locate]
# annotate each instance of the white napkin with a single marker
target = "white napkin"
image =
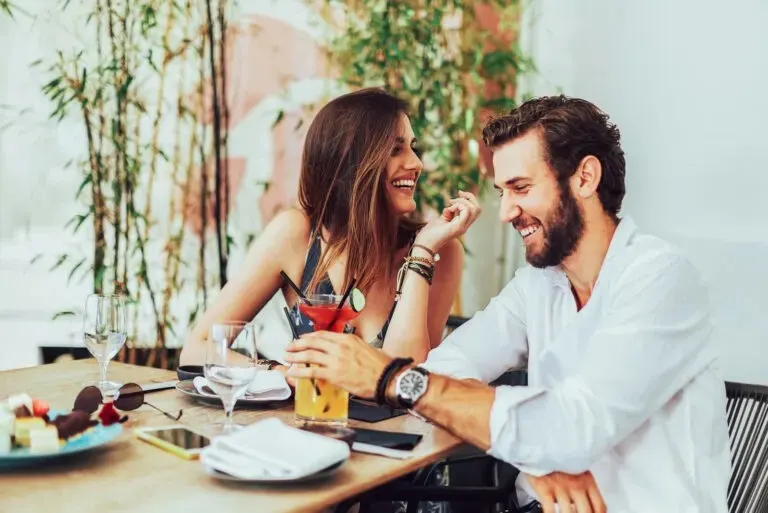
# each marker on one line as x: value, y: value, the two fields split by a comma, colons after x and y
x: 266, y: 386
x: 271, y: 449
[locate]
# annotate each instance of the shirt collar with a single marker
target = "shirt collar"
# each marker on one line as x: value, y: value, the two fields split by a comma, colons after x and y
x: 625, y: 230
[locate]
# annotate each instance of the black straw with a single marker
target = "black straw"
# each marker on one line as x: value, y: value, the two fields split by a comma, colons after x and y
x: 295, y: 337
x: 290, y: 323
x: 347, y: 293
x: 295, y: 288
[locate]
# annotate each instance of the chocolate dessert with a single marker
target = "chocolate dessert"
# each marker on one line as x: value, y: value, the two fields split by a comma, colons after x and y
x: 73, y: 424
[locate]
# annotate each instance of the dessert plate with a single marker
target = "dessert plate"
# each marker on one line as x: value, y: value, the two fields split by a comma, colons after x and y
x: 94, y: 437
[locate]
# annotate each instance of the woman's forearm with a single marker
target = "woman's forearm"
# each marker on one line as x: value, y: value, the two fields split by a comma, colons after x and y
x: 408, y: 332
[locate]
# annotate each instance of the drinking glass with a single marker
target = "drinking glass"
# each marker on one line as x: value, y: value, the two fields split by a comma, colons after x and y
x: 317, y: 401
x: 230, y: 365
x: 104, y: 334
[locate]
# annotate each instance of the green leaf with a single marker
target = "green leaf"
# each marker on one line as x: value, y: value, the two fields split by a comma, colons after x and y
x: 59, y: 261
x: 63, y: 313
x: 278, y: 118
x: 86, y: 181
x: 169, y: 327
x: 499, y: 104
x: 74, y: 270
x: 7, y: 6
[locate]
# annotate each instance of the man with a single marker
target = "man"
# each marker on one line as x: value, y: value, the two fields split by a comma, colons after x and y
x: 623, y: 409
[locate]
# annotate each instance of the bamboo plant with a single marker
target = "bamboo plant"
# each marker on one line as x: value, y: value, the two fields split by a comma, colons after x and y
x: 138, y: 85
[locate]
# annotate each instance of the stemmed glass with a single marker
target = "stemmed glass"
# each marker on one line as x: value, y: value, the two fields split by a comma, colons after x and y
x: 104, y: 334
x: 230, y: 365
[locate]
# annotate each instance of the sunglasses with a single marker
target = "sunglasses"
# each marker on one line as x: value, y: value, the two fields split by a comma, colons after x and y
x: 129, y: 397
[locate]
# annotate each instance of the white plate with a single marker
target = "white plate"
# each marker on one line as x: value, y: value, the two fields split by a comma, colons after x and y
x: 186, y: 387
x: 272, y: 479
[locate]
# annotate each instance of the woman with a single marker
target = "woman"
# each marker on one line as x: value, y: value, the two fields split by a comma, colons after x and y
x: 359, y: 169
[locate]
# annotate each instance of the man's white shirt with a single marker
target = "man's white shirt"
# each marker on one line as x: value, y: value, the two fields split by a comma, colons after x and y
x: 624, y: 388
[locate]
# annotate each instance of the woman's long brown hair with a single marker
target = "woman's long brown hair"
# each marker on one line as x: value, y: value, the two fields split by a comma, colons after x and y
x: 342, y: 189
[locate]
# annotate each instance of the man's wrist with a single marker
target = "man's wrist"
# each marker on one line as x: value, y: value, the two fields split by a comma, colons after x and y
x: 386, y: 377
x: 391, y: 390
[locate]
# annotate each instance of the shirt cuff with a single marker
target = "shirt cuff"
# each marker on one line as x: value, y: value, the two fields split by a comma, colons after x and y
x: 505, y: 444
x: 452, y: 369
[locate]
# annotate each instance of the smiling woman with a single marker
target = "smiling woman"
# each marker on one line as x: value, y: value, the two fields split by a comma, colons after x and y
x: 359, y: 170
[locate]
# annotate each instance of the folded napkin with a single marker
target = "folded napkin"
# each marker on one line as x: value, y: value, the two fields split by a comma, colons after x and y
x: 272, y: 450
x: 266, y: 386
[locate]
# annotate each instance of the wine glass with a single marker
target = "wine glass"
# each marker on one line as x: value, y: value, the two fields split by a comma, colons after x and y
x: 104, y: 334
x: 230, y: 365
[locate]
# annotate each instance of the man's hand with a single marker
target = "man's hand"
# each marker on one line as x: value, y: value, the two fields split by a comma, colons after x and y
x: 343, y: 360
x: 572, y: 493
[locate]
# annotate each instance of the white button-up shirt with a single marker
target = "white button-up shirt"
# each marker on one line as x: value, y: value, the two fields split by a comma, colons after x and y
x: 623, y: 388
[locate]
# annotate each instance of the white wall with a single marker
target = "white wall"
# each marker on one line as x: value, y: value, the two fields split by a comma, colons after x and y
x: 687, y: 83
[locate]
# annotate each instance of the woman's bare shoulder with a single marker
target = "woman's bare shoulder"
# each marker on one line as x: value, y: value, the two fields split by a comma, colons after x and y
x: 290, y: 226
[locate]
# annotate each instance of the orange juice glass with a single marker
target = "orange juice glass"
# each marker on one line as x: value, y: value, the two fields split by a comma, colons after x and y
x: 317, y: 401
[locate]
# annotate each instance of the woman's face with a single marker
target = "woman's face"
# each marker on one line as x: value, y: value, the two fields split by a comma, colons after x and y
x: 403, y: 170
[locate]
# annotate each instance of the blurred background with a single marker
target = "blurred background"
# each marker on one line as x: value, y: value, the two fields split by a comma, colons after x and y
x: 147, y: 142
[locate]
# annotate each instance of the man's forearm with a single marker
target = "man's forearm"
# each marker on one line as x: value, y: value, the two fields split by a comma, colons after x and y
x: 463, y: 407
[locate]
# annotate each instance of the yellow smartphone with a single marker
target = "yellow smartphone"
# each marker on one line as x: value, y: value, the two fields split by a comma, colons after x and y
x: 178, y: 440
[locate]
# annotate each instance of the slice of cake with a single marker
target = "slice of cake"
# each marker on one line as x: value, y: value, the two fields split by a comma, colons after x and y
x: 23, y: 426
x: 45, y: 439
x: 15, y: 402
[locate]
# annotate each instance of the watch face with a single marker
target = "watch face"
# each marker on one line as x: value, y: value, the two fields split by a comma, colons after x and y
x: 413, y: 384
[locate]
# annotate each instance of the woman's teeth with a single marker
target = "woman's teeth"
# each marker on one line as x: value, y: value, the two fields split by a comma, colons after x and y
x: 405, y: 184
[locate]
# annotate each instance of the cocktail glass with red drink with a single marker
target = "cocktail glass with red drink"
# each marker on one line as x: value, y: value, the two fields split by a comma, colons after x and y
x: 317, y: 401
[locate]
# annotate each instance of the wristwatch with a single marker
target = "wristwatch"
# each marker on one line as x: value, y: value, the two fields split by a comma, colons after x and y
x: 410, y: 386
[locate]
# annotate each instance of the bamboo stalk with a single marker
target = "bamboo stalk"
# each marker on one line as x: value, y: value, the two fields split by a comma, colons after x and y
x: 96, y: 198
x: 217, y: 201
x: 203, y: 185
x: 116, y: 141
x: 225, y: 124
x: 174, y: 242
x: 158, y: 117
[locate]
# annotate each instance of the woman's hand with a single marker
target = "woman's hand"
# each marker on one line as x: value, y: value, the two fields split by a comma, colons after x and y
x: 454, y: 221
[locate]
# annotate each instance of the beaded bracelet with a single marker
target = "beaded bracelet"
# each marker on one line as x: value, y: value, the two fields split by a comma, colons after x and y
x: 422, y: 260
x: 435, y: 256
x: 425, y: 271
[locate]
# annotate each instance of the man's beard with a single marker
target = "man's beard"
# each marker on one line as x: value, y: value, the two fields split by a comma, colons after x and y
x: 561, y: 232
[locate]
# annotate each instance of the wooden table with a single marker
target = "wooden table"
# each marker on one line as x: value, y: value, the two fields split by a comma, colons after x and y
x: 131, y: 475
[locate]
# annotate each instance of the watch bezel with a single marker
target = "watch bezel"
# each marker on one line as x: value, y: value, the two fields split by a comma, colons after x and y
x: 408, y: 401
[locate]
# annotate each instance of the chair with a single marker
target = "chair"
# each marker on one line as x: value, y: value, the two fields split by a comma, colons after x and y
x: 747, y: 413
